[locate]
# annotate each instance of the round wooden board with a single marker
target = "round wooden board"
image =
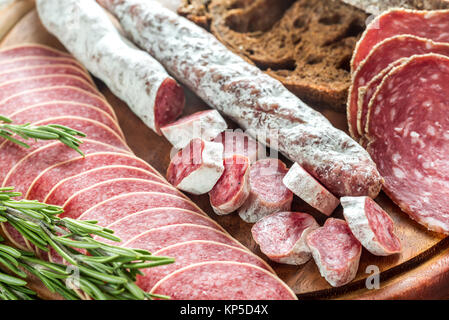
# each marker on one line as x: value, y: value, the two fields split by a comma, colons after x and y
x: 420, y: 271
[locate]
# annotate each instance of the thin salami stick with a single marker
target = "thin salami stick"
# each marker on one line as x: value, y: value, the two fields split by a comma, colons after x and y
x: 250, y: 97
x: 132, y: 74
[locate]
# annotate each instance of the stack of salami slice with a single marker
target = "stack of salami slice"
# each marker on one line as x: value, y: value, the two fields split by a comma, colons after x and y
x: 397, y: 109
x: 112, y: 186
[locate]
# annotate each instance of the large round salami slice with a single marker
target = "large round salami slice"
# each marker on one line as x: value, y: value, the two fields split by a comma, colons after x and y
x: 118, y: 207
x: 223, y: 280
x: 31, y: 49
x: 426, y: 24
x: 85, y: 199
x: 381, y: 56
x: 371, y: 225
x: 191, y: 252
x: 52, y: 176
x: 32, y: 61
x: 282, y: 236
x: 408, y: 135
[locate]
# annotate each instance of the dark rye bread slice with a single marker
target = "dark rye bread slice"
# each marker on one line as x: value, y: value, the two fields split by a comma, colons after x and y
x: 305, y: 44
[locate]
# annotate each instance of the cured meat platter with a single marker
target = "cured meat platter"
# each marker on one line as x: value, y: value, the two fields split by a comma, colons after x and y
x: 419, y: 270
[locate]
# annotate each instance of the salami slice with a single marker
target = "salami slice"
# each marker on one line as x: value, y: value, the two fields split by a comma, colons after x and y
x: 223, y: 280
x: 282, y: 236
x: 52, y: 176
x: 118, y: 207
x: 131, y: 74
x: 336, y: 251
x: 380, y: 57
x: 301, y: 183
x: 371, y: 225
x: 67, y: 187
x: 232, y: 189
x: 197, y: 167
x: 205, y: 125
x: 407, y: 127
x: 268, y: 194
x: 426, y: 24
x: 30, y: 49
x: 32, y: 61
x: 236, y: 142
x: 85, y: 199
x: 62, y: 93
x: 191, y: 252
x: 162, y: 237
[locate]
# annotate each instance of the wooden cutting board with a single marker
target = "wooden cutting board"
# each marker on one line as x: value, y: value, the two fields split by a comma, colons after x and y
x: 421, y: 270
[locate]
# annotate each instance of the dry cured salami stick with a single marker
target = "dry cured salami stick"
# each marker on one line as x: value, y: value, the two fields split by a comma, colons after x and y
x: 132, y: 75
x: 250, y: 97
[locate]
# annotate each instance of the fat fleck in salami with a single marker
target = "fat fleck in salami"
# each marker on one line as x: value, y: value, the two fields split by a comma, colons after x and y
x: 267, y: 192
x: 282, y: 236
x: 253, y: 99
x: 205, y: 125
x: 133, y: 75
x: 236, y: 142
x: 301, y: 183
x: 371, y: 225
x: 223, y: 280
x: 336, y: 251
x: 408, y: 133
x: 30, y: 49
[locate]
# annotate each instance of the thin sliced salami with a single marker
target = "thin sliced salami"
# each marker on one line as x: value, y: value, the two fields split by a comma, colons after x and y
x: 301, y: 183
x: 282, y: 236
x: 191, y: 252
x: 336, y: 251
x: 205, y: 125
x: 408, y: 133
x: 235, y: 142
x: 268, y: 194
x: 371, y: 225
x: 30, y: 49
x: 232, y: 189
x: 223, y: 280
x: 32, y: 61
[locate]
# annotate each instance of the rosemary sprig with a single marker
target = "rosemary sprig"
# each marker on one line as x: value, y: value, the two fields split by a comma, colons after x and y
x: 47, y: 132
x: 104, y: 271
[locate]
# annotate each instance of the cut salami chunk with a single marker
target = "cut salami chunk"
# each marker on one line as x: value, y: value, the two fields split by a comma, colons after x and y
x: 223, y: 280
x: 381, y: 56
x: 408, y: 134
x: 426, y: 24
x: 197, y: 167
x: 32, y: 61
x: 371, y: 225
x: 30, y: 49
x: 85, y: 199
x: 205, y: 125
x: 191, y: 252
x: 162, y: 237
x: 268, y: 194
x: 282, y: 236
x: 118, y: 207
x: 235, y: 142
x: 336, y: 251
x: 301, y: 183
x: 63, y: 93
x: 67, y: 187
x: 232, y: 189
x: 55, y: 176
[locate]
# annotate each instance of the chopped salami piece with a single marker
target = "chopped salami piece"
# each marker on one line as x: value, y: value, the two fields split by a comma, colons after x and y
x: 197, y: 167
x: 31, y: 49
x: 223, y: 280
x: 301, y: 183
x: 232, y: 189
x: 235, y: 142
x: 85, y: 199
x: 118, y: 207
x: 268, y: 194
x: 426, y: 24
x: 244, y: 93
x: 371, y: 225
x: 336, y: 251
x: 69, y: 186
x: 205, y: 125
x: 282, y: 236
x: 131, y: 74
x: 32, y: 61
x: 408, y: 134
x: 162, y: 237
x: 191, y: 252
x: 380, y: 57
